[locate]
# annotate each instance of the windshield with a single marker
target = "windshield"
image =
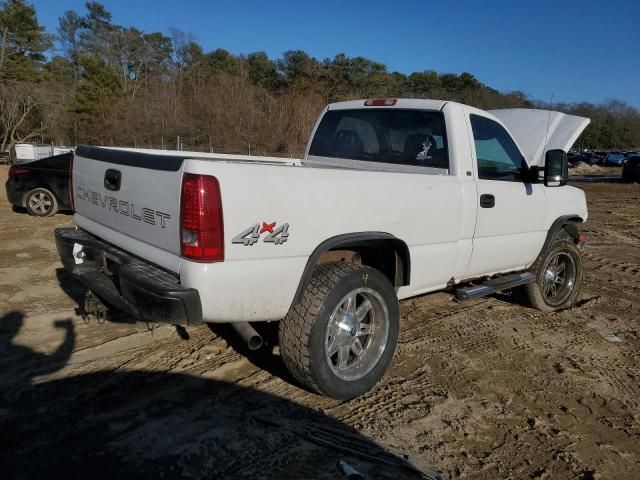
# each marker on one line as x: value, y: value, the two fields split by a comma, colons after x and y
x: 401, y: 137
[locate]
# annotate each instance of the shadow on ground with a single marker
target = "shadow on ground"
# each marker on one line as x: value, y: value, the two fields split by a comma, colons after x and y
x: 265, y: 358
x: 74, y: 289
x: 115, y: 424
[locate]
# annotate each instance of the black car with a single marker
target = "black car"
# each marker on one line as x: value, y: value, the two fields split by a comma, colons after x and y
x: 42, y: 186
x: 631, y: 169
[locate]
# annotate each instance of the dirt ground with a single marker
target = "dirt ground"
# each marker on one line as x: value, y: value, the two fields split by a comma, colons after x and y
x: 480, y: 390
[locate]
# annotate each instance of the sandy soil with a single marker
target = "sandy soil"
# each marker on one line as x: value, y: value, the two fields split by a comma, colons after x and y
x: 480, y: 390
x: 586, y: 169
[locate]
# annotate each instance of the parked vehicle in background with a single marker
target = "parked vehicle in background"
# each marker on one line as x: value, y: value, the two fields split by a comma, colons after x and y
x: 28, y: 152
x: 614, y: 158
x: 394, y: 198
x: 631, y: 168
x: 580, y: 157
x: 596, y: 158
x: 573, y: 158
x: 42, y: 187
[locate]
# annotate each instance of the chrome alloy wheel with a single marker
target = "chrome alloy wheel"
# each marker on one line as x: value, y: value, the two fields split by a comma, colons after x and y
x: 40, y: 203
x: 357, y: 334
x: 559, y: 278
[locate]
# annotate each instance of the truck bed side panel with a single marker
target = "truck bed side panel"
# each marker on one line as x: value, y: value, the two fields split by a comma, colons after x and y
x: 261, y: 278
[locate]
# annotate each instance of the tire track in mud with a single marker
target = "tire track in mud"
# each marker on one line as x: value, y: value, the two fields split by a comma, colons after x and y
x: 394, y: 396
x: 422, y: 316
x: 600, y: 259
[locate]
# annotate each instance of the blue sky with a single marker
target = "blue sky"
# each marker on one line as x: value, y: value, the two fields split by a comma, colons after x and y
x: 573, y: 50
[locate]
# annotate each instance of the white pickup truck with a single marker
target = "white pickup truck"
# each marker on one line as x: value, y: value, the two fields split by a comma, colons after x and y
x: 394, y: 198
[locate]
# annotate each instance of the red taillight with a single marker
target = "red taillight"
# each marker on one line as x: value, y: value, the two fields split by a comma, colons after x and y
x: 201, y: 227
x: 13, y: 171
x: 73, y: 205
x: 380, y: 102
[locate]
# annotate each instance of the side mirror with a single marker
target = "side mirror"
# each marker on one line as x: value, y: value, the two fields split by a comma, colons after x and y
x: 556, y: 168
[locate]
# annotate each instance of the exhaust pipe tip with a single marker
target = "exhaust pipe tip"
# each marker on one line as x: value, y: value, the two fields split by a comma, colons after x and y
x: 248, y: 334
x: 255, y: 342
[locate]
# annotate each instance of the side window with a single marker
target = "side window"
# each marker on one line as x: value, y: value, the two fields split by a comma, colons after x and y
x: 497, y: 155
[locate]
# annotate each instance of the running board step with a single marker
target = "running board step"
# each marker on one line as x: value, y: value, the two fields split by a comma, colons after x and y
x: 495, y: 285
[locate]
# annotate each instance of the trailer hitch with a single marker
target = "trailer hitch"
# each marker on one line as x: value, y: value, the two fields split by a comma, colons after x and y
x: 93, y: 306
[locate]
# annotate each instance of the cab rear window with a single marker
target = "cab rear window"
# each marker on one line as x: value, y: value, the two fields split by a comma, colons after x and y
x: 392, y: 136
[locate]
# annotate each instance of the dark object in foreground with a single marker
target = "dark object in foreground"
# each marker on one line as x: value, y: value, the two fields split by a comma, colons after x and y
x: 118, y: 424
x: 631, y: 169
x: 42, y: 186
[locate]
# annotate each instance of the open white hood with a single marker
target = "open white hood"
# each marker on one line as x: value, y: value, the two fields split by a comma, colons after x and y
x: 529, y: 129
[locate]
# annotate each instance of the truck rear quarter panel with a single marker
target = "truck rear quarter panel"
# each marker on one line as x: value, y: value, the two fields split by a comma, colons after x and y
x: 259, y: 281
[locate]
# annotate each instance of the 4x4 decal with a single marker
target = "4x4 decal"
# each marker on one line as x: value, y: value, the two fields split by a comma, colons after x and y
x: 251, y: 235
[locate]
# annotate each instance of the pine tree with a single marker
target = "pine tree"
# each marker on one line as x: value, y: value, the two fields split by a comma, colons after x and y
x: 23, y: 42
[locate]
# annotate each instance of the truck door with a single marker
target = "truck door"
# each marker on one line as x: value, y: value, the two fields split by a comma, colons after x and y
x: 509, y: 223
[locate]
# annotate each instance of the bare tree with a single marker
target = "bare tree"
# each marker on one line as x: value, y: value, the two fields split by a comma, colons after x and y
x: 17, y: 105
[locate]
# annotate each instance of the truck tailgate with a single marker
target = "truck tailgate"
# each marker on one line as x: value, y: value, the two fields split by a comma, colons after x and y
x: 133, y: 193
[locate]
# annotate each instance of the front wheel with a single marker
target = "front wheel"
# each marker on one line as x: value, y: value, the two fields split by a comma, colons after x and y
x: 558, y: 277
x: 339, y: 339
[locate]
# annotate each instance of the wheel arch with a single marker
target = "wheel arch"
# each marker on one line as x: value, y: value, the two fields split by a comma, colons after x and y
x: 380, y: 250
x: 567, y: 223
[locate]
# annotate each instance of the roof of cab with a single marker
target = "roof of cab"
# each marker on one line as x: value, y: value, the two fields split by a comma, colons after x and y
x: 415, y: 103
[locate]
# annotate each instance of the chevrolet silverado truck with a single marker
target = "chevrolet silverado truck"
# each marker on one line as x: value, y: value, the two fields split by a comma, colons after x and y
x: 393, y: 198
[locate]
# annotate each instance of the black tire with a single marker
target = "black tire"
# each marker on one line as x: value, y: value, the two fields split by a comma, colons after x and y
x: 305, y: 333
x: 40, y: 202
x: 539, y: 294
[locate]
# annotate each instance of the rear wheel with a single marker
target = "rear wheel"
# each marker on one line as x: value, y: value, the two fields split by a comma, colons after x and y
x: 340, y: 338
x: 558, y: 277
x: 40, y: 202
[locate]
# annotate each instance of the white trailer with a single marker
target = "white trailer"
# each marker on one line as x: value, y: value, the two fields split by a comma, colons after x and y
x: 29, y: 152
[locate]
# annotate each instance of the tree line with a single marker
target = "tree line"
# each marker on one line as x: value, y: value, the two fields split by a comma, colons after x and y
x: 97, y: 82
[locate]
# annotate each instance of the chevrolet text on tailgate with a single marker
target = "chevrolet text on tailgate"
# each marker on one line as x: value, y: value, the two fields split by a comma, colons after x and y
x: 394, y: 198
